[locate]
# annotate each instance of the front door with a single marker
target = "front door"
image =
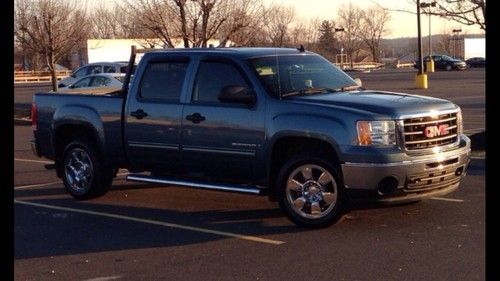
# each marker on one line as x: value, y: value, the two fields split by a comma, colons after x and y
x: 220, y: 140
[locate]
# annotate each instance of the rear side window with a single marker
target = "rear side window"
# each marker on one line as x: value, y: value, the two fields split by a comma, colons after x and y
x: 109, y: 69
x: 163, y: 80
x: 212, y: 77
x: 94, y: 69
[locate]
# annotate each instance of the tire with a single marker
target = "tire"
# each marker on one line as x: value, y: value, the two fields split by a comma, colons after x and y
x: 83, y: 174
x: 448, y: 68
x: 310, y: 191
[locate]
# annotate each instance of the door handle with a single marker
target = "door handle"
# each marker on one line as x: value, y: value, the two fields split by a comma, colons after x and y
x: 139, y: 114
x: 195, y: 118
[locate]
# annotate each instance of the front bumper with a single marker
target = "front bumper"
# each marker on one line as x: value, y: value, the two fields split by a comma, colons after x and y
x: 411, y: 180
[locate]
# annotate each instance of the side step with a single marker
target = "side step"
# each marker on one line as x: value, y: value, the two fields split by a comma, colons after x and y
x: 229, y: 188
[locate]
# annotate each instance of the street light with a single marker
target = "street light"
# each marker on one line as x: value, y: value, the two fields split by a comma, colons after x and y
x: 456, y: 33
x: 421, y: 78
x: 430, y: 63
x: 341, y: 29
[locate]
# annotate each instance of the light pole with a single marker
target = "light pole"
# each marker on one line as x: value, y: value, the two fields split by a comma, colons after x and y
x: 456, y: 33
x: 421, y: 78
x: 430, y: 63
x: 341, y: 29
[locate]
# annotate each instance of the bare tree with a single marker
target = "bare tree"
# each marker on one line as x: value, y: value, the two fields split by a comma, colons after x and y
x: 244, y: 23
x: 467, y: 12
x: 373, y: 26
x: 194, y: 21
x: 278, y: 23
x: 108, y: 23
x: 349, y: 18
x: 51, y: 28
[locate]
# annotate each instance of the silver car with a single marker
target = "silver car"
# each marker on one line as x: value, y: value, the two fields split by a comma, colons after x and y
x: 93, y: 68
x: 96, y: 84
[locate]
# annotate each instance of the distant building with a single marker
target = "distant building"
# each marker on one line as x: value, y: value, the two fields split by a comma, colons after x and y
x: 466, y: 48
x: 101, y: 50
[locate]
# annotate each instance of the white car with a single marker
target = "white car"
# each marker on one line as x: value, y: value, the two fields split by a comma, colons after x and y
x: 93, y: 68
x: 99, y: 84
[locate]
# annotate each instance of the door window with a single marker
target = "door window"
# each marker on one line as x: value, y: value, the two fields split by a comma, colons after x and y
x: 212, y: 77
x: 163, y: 81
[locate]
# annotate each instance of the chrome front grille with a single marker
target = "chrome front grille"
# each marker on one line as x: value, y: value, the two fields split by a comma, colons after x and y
x: 430, y: 131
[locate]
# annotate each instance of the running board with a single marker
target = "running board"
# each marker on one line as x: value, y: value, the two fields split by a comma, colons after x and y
x: 229, y: 188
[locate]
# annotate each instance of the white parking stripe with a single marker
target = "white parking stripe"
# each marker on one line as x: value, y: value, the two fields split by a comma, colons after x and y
x: 34, y: 161
x: 36, y: 185
x: 447, y: 199
x: 173, y: 225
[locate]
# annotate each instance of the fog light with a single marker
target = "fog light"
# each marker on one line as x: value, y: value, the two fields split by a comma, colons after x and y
x: 387, y: 185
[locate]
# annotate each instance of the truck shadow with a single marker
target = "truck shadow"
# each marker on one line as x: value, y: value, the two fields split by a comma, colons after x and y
x: 42, y: 232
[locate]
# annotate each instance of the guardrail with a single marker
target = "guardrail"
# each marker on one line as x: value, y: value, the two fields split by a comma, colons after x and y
x: 360, y: 65
x: 38, y: 76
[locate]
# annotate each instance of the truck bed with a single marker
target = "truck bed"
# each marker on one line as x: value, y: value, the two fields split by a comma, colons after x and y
x: 102, y: 112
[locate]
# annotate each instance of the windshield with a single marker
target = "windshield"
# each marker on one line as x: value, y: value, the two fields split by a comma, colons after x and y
x: 300, y: 74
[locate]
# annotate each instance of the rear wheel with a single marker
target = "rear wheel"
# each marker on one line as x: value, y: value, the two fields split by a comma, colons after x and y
x: 310, y: 191
x: 83, y: 173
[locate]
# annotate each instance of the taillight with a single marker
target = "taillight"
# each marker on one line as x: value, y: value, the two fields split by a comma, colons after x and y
x: 34, y: 116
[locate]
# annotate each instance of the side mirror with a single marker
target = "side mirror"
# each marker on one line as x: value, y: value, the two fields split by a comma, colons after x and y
x: 358, y: 82
x: 237, y: 94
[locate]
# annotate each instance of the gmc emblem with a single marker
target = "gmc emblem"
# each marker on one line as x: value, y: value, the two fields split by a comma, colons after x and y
x: 436, y: 131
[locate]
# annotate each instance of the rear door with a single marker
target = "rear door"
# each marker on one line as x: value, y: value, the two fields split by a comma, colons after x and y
x: 221, y: 140
x: 153, y: 114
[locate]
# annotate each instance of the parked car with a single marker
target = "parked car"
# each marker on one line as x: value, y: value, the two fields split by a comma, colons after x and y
x: 476, y: 62
x: 93, y: 68
x: 444, y: 62
x: 103, y: 83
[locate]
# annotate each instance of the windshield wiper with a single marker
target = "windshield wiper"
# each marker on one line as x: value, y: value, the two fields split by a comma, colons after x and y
x: 310, y: 91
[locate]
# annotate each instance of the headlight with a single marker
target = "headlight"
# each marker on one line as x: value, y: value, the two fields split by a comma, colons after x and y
x: 376, y: 132
x: 460, y: 123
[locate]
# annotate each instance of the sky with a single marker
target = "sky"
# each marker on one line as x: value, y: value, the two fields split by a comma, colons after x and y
x: 401, y: 24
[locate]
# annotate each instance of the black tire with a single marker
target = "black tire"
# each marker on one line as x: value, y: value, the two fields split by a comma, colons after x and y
x: 317, y: 192
x: 83, y: 173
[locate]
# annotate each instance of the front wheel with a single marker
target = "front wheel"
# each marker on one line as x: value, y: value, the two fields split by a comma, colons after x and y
x: 83, y: 174
x: 311, y: 192
x: 448, y: 67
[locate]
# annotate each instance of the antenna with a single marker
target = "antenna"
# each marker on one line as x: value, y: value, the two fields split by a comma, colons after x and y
x: 301, y: 48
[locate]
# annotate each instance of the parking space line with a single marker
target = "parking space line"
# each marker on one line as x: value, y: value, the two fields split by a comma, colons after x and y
x: 153, y: 222
x: 34, y: 161
x: 447, y: 199
x: 36, y: 185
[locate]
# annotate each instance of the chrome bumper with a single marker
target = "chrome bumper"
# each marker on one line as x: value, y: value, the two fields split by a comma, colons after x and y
x: 435, y: 175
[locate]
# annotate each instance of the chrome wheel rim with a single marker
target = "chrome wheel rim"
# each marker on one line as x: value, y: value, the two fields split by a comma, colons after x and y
x: 311, y: 191
x: 78, y: 171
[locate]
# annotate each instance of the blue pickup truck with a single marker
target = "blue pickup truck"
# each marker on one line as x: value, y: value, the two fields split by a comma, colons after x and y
x: 285, y: 123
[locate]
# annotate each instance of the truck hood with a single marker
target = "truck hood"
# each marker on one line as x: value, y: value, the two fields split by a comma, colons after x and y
x: 379, y: 102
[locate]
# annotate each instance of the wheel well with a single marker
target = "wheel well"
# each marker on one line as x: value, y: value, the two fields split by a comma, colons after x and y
x: 68, y: 133
x: 288, y: 146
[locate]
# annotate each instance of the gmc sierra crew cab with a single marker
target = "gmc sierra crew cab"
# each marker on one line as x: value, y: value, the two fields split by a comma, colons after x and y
x: 285, y: 123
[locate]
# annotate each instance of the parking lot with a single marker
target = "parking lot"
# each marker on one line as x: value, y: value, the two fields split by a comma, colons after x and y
x: 156, y: 232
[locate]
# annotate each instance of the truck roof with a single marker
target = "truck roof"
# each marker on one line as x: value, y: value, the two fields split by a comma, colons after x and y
x: 243, y: 53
